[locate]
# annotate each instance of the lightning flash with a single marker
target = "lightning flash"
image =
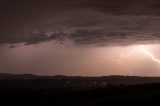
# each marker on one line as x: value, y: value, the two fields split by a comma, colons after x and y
x: 143, y: 49
x: 148, y: 53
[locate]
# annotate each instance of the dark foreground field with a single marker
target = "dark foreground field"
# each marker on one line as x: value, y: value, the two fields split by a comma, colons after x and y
x: 43, y: 91
x: 146, y: 93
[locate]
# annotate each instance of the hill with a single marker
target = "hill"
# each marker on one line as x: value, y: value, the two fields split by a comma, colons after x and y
x: 78, y: 91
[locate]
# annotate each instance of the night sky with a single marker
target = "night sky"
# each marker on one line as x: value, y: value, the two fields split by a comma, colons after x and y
x: 80, y: 37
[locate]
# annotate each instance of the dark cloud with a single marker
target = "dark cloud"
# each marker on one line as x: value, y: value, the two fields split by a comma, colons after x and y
x: 95, y: 22
x: 129, y: 7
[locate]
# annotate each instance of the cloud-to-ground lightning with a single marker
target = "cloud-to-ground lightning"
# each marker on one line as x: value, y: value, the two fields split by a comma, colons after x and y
x: 122, y: 61
x: 143, y: 49
x: 123, y: 55
x: 148, y: 53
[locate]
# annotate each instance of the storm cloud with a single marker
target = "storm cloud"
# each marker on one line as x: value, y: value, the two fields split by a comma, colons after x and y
x: 85, y: 22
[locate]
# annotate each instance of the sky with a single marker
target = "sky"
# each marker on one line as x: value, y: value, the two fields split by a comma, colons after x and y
x: 80, y: 37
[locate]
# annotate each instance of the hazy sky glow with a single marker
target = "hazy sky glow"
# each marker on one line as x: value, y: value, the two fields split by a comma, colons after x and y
x: 51, y: 58
x: 80, y: 37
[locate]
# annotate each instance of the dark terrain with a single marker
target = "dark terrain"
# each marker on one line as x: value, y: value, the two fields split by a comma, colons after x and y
x: 67, y: 90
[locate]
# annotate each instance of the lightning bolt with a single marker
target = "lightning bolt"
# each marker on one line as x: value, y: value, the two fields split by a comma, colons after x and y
x: 127, y: 55
x: 123, y: 56
x: 148, y: 53
x: 122, y: 61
